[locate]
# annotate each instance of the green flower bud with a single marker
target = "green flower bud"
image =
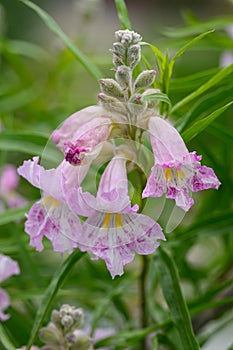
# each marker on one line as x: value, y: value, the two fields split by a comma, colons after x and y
x: 78, y: 317
x: 111, y: 88
x: 111, y: 104
x: 145, y: 79
x: 136, y: 104
x: 66, y: 310
x: 67, y: 321
x: 50, y: 335
x: 134, y: 56
x: 123, y: 76
x: 79, y: 340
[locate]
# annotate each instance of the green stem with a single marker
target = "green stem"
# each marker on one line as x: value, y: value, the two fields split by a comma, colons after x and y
x: 142, y: 286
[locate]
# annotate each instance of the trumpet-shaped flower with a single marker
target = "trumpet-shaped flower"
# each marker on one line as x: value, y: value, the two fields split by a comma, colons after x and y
x: 176, y: 172
x: 113, y: 230
x: 8, y: 267
x: 82, y: 132
x: 51, y: 216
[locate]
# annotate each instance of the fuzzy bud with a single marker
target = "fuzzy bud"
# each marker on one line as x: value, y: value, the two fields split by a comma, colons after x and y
x: 111, y: 88
x: 111, y: 104
x: 50, y: 335
x: 134, y: 56
x: 123, y: 76
x: 136, y: 104
x: 67, y: 322
x: 145, y: 79
x: 127, y: 37
x: 79, y: 340
x: 118, y: 54
x: 78, y: 317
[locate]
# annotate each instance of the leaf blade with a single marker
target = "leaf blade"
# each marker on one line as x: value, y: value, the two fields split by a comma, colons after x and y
x: 123, y: 14
x: 54, y: 27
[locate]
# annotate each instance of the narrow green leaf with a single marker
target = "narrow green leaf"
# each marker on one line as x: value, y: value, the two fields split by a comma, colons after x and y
x: 50, y: 293
x: 32, y: 143
x: 160, y: 56
x: 158, y: 96
x: 172, y: 292
x: 54, y: 27
x: 10, y: 215
x: 19, y: 99
x: 187, y: 46
x: 199, y: 27
x: 123, y: 14
x: 200, y: 125
x: 5, y: 340
x: 210, y: 83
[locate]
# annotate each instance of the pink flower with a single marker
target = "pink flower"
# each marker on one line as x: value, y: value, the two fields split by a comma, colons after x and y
x: 113, y: 231
x: 51, y: 216
x: 8, y: 183
x: 8, y: 267
x: 82, y: 132
x: 176, y: 172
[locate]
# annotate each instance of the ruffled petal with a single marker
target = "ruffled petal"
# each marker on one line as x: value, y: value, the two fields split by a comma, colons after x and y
x: 115, y: 238
x: 181, y: 196
x: 203, y: 179
x: 55, y: 221
x: 4, y: 303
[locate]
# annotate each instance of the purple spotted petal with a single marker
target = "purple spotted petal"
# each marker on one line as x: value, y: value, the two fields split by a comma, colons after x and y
x: 181, y: 196
x: 55, y: 221
x: 117, y: 244
x: 4, y: 303
x: 203, y: 179
x: 156, y: 184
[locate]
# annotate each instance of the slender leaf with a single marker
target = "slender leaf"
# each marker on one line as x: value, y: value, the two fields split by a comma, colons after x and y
x: 158, y: 96
x: 10, y: 215
x: 160, y: 56
x: 210, y: 83
x: 11, y: 102
x: 175, y: 300
x: 123, y: 14
x: 31, y: 143
x: 49, y: 295
x: 5, y: 340
x: 54, y: 27
x: 200, y: 125
x: 187, y: 46
x: 199, y: 27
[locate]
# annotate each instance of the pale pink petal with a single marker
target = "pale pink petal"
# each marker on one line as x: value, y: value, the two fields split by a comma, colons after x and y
x: 166, y: 142
x: 116, y: 240
x: 15, y: 200
x: 74, y: 122
x: 55, y: 221
x: 8, y: 267
x: 9, y: 179
x: 4, y: 303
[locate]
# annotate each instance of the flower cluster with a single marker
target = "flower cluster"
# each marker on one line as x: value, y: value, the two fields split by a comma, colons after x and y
x: 109, y: 136
x: 63, y: 332
x: 8, y: 267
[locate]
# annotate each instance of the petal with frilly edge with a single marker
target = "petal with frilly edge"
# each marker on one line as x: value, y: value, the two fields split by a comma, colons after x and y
x: 74, y: 122
x: 116, y: 237
x: 4, y: 303
x: 203, y: 179
x: 168, y: 146
x: 53, y: 181
x: 8, y: 267
x: 54, y: 220
x: 156, y: 184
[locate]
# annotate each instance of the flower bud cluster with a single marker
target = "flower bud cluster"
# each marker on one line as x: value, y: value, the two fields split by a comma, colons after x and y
x: 124, y: 94
x: 63, y: 331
